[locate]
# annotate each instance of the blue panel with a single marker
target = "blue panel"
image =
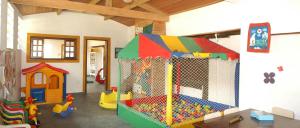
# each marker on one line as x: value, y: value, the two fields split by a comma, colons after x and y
x: 237, y: 84
x: 158, y: 40
x: 216, y: 106
x: 38, y: 94
x: 65, y: 87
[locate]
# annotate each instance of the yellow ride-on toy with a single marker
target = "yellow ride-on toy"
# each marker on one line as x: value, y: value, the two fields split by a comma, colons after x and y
x: 109, y: 101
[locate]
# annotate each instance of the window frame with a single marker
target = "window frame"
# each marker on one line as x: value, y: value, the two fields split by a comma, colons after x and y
x: 66, y: 38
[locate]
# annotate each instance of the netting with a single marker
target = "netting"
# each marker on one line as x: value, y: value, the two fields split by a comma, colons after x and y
x: 188, y: 78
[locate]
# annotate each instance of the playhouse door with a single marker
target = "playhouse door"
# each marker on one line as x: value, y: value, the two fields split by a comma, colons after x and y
x: 54, y: 90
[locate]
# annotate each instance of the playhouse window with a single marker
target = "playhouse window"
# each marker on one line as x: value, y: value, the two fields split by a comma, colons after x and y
x: 52, y: 48
x: 39, y: 78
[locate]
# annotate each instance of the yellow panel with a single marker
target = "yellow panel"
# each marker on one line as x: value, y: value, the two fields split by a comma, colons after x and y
x: 201, y: 55
x: 174, y: 44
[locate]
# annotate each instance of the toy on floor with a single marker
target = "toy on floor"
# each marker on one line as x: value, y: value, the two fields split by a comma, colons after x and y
x: 109, y: 101
x: 66, y: 109
x: 33, y: 112
x: 99, y: 78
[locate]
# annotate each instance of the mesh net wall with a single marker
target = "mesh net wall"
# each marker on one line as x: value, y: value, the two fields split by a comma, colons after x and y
x: 147, y: 80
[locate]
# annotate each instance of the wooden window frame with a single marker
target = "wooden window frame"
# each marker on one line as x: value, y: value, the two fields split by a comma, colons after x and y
x: 76, y: 40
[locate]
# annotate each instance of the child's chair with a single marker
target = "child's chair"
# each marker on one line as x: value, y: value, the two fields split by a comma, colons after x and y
x: 231, y: 110
x: 212, y: 115
x: 283, y: 112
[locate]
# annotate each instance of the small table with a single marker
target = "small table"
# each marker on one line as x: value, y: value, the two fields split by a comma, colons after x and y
x: 248, y: 122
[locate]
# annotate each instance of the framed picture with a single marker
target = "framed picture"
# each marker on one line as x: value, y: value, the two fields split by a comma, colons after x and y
x: 117, y: 50
x: 259, y: 37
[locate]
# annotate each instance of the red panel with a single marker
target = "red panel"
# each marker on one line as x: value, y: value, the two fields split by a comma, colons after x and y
x: 148, y: 48
x: 211, y: 47
x: 42, y: 65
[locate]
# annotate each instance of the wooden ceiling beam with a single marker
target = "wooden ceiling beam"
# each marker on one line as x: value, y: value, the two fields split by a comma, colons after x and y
x: 108, y: 3
x: 151, y: 8
x: 90, y: 8
x: 94, y: 1
x: 59, y: 11
x: 130, y: 6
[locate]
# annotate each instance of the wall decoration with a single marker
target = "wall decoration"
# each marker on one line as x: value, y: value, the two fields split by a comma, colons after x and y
x: 269, y: 77
x: 259, y: 37
x: 117, y: 50
x: 280, y: 68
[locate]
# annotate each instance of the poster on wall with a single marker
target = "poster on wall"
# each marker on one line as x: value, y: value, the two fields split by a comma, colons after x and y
x: 117, y: 50
x: 259, y: 37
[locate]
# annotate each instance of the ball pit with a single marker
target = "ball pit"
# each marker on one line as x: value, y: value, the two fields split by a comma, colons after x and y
x: 182, y: 110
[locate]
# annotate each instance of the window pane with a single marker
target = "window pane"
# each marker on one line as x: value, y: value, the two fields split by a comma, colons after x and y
x: 71, y: 54
x: 39, y: 54
x: 34, y: 42
x: 71, y: 43
x: 72, y: 49
x: 40, y: 42
x: 34, y: 48
x: 34, y: 54
x: 67, y: 54
x: 40, y: 48
x: 67, y: 48
x: 67, y: 43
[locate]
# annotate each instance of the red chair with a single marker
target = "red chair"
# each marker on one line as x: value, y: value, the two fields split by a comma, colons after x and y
x: 98, y: 77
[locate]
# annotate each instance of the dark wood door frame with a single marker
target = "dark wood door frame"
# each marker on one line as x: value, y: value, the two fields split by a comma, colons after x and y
x: 106, y: 63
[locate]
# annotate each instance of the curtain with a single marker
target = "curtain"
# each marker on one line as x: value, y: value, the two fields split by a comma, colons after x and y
x: 221, y: 84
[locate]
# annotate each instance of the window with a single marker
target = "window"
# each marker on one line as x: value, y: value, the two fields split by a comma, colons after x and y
x: 69, y: 49
x: 37, y: 48
x: 10, y: 26
x: 52, y: 48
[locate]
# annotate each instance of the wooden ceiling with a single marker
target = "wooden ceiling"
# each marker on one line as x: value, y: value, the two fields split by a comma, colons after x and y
x: 148, y: 8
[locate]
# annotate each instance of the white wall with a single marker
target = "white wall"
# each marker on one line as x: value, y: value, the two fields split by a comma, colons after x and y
x: 284, y: 52
x: 231, y: 42
x: 283, y: 17
x: 217, y: 17
x: 71, y: 23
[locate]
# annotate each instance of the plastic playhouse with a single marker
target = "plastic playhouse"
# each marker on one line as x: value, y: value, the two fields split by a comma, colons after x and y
x: 45, y: 83
x: 176, y: 83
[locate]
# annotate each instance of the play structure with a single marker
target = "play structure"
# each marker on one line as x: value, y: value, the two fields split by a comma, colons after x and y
x: 175, y: 81
x: 45, y: 83
x: 109, y: 100
x: 66, y: 109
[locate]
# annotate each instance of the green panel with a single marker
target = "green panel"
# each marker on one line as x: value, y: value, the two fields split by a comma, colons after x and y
x: 131, y: 50
x: 136, y: 119
x: 148, y: 29
x: 190, y: 44
x: 219, y: 55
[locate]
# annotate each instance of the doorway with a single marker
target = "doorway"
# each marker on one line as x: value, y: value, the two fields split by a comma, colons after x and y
x: 96, y: 64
